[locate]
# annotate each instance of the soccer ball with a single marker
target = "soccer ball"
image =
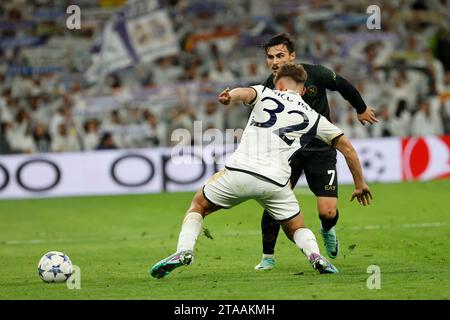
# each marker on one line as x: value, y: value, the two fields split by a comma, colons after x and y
x: 54, y: 266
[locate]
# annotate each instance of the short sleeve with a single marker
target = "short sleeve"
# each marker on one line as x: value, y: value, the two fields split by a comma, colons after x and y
x: 259, y: 90
x: 327, y: 132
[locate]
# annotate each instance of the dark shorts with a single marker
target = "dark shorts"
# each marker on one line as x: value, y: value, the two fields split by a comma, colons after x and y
x: 320, y: 171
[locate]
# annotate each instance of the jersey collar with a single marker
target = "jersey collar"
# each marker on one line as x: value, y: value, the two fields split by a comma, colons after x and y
x: 292, y: 91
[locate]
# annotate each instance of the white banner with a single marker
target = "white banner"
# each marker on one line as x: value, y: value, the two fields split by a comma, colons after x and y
x: 380, y: 160
x: 136, y: 33
x: 152, y: 36
x: 156, y: 170
x: 102, y: 173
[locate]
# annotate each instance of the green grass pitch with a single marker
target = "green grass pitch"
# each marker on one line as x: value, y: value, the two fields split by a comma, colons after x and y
x: 115, y: 239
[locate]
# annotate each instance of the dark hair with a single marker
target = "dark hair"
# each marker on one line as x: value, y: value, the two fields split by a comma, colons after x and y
x: 105, y: 136
x: 294, y: 71
x: 281, y: 38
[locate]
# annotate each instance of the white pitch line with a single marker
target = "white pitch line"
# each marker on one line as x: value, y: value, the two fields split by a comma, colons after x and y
x: 32, y: 241
x: 40, y: 241
x: 236, y: 233
x: 403, y: 226
x: 367, y: 227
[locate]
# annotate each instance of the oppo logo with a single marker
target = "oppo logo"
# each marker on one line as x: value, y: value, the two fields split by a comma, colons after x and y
x: 28, y: 169
x: 131, y: 171
x: 5, y: 175
x: 122, y: 161
x: 169, y: 175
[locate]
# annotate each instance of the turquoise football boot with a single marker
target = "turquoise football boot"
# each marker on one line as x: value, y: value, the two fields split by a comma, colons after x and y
x: 330, y: 242
x: 167, y: 265
x: 266, y: 264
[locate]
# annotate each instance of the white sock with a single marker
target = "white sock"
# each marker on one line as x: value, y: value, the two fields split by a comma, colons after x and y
x: 190, y: 230
x: 306, y: 241
x: 268, y: 256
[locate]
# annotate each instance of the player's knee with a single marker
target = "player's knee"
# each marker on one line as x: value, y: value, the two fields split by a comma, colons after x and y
x: 202, y: 208
x: 327, y: 212
x: 291, y: 225
x: 196, y: 209
x: 202, y: 205
x: 197, y: 205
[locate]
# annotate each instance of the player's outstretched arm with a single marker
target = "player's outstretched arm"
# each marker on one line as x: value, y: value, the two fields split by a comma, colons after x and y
x: 352, y: 95
x: 333, y: 81
x: 246, y: 95
x: 362, y: 192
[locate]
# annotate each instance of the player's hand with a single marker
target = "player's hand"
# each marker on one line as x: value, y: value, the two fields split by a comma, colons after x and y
x: 225, y: 97
x: 368, y: 115
x: 363, y: 195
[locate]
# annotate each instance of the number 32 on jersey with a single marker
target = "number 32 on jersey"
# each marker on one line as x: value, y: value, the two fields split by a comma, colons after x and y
x: 281, y: 132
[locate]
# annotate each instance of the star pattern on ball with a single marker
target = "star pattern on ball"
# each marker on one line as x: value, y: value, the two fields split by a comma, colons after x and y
x: 50, y: 255
x: 55, y: 270
x: 40, y: 271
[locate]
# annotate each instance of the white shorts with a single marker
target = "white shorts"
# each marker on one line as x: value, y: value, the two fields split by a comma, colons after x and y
x: 228, y: 188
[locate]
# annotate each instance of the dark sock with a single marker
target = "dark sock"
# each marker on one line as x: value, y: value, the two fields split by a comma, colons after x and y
x: 270, y: 229
x: 327, y: 224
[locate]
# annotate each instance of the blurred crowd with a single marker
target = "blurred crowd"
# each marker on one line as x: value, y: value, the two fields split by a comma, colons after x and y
x: 46, y: 104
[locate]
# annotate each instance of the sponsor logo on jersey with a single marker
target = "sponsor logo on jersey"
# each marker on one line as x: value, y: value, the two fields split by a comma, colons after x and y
x: 312, y: 91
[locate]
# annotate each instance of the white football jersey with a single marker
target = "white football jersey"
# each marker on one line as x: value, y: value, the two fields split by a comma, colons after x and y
x: 280, y: 124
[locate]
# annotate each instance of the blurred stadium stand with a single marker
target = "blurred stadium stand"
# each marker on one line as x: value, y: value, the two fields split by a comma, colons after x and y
x: 52, y: 99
